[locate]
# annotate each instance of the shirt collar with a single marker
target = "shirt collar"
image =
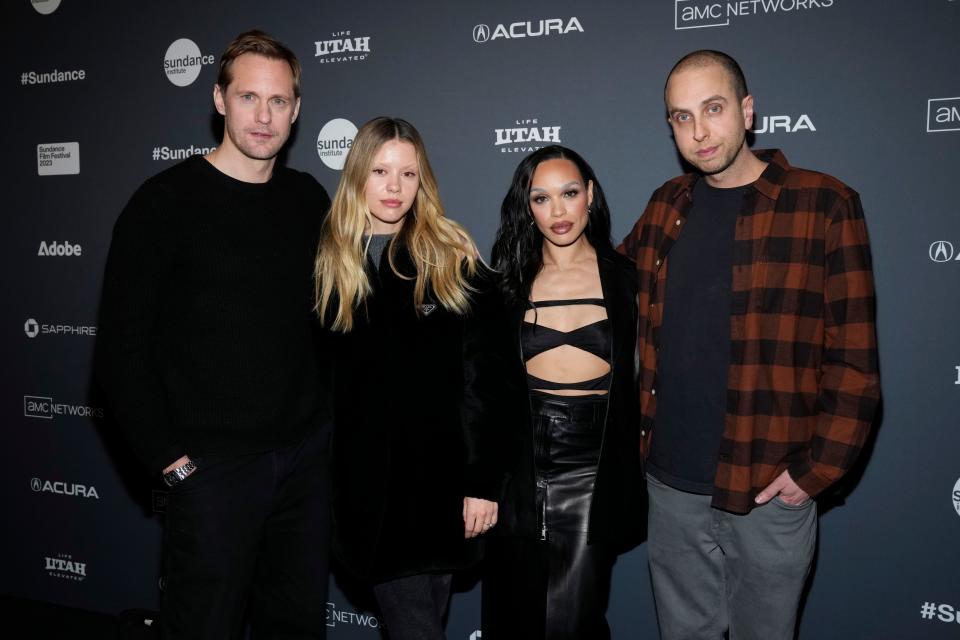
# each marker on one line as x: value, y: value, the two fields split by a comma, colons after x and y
x: 768, y: 184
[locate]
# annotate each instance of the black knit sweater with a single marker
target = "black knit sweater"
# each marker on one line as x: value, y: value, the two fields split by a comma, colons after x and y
x: 207, y: 343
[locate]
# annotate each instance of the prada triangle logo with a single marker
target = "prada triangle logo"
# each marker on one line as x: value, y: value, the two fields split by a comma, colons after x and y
x: 427, y: 309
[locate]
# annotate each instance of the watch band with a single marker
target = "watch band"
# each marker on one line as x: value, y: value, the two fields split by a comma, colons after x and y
x: 180, y: 473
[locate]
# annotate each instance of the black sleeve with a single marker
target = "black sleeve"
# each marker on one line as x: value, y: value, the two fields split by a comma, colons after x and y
x: 137, y: 266
x: 485, y: 353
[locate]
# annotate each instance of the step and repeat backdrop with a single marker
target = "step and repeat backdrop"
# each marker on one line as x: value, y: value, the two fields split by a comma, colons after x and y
x: 101, y: 95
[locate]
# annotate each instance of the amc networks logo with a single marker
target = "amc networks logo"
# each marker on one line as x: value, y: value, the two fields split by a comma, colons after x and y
x: 340, y: 616
x: 943, y: 114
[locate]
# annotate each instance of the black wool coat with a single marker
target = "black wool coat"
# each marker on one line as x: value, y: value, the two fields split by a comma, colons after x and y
x: 618, y: 507
x: 415, y: 406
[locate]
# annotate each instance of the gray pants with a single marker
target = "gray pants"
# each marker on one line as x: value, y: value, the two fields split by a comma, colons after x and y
x: 713, y: 570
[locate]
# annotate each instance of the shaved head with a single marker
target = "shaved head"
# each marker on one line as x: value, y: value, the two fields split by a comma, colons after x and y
x: 708, y: 57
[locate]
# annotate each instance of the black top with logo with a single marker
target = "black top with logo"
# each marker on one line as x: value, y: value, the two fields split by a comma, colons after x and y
x: 695, y: 344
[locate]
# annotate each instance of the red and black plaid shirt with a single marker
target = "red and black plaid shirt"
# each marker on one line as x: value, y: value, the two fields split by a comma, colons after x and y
x: 803, y: 382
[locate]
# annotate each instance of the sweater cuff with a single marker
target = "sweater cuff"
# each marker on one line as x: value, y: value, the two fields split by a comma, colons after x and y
x: 157, y: 462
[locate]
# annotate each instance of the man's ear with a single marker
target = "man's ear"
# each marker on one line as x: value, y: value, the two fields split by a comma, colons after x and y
x: 746, y: 105
x: 296, y: 111
x: 218, y: 100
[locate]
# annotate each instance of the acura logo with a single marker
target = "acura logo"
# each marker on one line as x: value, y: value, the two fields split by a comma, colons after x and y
x: 481, y: 33
x: 35, y: 484
x: 31, y: 328
x: 941, y: 251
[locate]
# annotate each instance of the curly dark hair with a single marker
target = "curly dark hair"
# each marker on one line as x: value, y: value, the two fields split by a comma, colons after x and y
x: 517, y: 252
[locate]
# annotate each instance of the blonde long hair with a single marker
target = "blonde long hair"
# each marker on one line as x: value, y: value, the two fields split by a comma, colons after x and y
x: 443, y: 253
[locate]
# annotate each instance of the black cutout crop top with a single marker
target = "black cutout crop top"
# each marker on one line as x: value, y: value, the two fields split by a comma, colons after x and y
x: 593, y: 338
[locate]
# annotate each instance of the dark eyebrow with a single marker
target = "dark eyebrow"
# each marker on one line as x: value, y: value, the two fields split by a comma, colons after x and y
x: 715, y: 98
x: 572, y: 183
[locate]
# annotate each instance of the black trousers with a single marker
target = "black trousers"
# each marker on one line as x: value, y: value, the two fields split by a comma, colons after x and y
x: 413, y: 607
x: 250, y: 531
x: 555, y: 587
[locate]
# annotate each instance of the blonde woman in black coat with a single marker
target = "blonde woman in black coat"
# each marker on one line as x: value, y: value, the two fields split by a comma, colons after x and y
x: 410, y: 308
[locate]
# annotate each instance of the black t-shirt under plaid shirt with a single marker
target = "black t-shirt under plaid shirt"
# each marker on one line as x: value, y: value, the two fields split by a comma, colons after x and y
x: 695, y: 344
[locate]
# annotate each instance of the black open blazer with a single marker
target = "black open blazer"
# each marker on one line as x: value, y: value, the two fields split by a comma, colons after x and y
x: 617, y: 511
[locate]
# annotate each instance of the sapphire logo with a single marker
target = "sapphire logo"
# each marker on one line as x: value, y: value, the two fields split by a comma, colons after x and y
x: 956, y: 497
x: 942, y: 251
x: 943, y: 114
x: 33, y: 328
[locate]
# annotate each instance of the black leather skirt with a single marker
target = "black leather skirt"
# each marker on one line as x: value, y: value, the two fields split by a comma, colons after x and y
x: 567, y: 434
x: 555, y: 587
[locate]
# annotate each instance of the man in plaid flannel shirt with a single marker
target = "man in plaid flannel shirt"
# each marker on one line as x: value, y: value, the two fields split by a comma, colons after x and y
x: 758, y: 362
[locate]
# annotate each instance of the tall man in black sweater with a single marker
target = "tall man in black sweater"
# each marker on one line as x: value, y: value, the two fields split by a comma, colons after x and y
x: 209, y: 361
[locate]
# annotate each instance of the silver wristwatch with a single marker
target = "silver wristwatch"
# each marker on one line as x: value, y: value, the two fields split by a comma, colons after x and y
x: 180, y: 473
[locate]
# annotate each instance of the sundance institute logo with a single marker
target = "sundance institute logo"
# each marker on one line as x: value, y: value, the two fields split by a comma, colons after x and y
x: 45, y: 7
x: 183, y: 61
x: 334, y: 141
